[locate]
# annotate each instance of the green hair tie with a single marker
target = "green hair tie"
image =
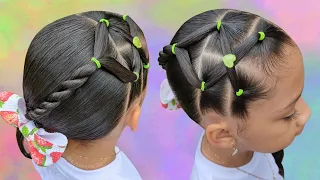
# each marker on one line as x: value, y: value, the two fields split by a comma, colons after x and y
x: 219, y: 25
x: 239, y: 92
x: 173, y: 48
x: 124, y: 17
x: 105, y: 21
x: 262, y: 36
x: 228, y: 60
x: 97, y: 62
x: 137, y: 76
x: 146, y: 66
x: 203, y: 85
x: 136, y: 42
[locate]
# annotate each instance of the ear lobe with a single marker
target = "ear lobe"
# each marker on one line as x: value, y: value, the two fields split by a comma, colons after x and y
x: 134, y: 120
x: 219, y: 136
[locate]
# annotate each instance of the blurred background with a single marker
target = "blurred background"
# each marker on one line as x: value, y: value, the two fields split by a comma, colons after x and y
x: 164, y: 146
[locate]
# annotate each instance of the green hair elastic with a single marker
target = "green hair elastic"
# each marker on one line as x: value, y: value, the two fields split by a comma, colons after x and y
x: 228, y: 60
x: 146, y: 66
x: 97, y: 62
x: 173, y: 48
x: 262, y: 36
x: 239, y: 92
x: 219, y: 25
x: 136, y: 42
x: 105, y: 21
x: 124, y: 17
x: 203, y: 85
x: 137, y: 76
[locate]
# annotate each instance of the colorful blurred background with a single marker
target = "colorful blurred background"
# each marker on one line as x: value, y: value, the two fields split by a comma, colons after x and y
x: 164, y: 146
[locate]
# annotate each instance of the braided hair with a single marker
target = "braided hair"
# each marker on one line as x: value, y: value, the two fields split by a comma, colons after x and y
x: 83, y: 72
x: 197, y: 73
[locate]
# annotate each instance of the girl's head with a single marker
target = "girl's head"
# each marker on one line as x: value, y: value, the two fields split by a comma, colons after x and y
x: 85, y: 75
x: 256, y: 101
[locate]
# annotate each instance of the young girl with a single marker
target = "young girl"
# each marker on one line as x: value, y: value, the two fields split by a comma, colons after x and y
x: 240, y: 77
x: 84, y: 81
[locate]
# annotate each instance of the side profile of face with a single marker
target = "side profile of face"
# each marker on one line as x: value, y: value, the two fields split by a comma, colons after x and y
x: 273, y: 123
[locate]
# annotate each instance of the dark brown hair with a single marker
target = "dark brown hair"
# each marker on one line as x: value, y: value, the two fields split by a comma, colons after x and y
x: 65, y: 91
x: 200, y: 45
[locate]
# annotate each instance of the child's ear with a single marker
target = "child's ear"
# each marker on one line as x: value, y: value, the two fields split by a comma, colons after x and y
x: 218, y: 135
x: 133, y: 118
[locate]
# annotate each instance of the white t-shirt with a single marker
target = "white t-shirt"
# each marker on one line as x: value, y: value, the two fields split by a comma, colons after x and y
x: 119, y: 169
x: 203, y: 169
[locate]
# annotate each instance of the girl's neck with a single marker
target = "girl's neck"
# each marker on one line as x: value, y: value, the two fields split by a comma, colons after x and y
x: 224, y: 157
x: 92, y: 156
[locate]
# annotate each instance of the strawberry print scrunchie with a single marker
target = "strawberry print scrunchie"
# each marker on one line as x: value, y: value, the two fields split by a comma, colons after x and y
x: 45, y: 148
x: 167, y: 98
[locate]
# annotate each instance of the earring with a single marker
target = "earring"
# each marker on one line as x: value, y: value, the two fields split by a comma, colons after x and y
x: 235, y: 150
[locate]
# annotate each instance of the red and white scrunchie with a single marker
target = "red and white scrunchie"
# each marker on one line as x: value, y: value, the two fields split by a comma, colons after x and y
x: 45, y: 148
x: 167, y: 97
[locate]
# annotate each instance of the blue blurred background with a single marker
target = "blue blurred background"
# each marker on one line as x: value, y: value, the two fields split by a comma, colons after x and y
x: 164, y: 146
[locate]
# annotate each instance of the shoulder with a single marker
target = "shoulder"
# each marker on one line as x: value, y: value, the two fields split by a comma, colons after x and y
x: 127, y: 169
x: 197, y: 174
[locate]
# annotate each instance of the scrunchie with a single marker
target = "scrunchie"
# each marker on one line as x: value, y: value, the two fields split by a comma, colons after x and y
x: 45, y: 148
x: 167, y: 98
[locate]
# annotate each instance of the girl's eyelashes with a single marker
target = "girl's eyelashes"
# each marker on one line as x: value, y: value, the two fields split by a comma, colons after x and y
x: 292, y: 116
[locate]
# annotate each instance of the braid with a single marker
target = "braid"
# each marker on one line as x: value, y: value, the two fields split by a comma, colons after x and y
x: 78, y: 79
x: 81, y: 75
